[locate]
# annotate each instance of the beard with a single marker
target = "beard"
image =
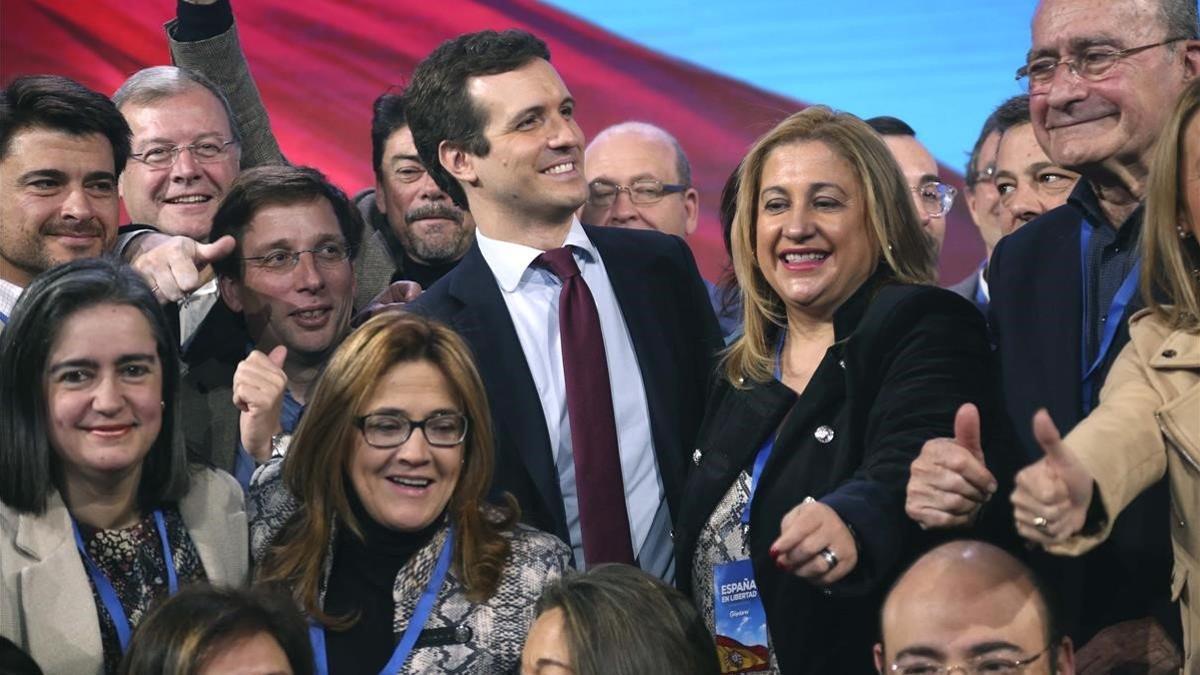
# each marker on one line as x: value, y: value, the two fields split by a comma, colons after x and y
x: 444, y: 243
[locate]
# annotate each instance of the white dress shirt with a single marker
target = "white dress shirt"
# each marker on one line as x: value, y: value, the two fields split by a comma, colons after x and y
x: 9, y: 292
x: 532, y: 294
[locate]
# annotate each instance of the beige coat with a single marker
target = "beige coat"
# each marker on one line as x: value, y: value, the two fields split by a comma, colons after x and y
x: 1148, y: 423
x: 46, y: 604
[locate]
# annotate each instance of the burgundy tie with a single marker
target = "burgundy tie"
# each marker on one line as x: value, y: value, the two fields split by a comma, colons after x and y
x: 602, y: 513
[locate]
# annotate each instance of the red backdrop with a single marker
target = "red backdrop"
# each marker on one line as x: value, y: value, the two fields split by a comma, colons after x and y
x: 320, y: 64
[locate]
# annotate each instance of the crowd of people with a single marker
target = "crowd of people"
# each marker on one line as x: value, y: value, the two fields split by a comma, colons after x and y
x: 486, y: 416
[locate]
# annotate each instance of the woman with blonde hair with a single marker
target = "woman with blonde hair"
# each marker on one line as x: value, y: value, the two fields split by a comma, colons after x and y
x: 377, y: 519
x: 793, y: 518
x: 1148, y: 420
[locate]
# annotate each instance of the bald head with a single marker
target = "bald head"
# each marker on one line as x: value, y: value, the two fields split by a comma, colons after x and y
x: 626, y: 153
x: 967, y: 601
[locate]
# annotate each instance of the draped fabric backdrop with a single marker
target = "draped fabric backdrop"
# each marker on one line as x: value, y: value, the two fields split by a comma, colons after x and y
x: 320, y: 64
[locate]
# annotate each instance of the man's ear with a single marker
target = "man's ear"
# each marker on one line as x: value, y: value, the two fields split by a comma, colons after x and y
x: 879, y: 664
x: 231, y: 293
x: 457, y: 162
x: 1191, y: 59
x: 691, y: 204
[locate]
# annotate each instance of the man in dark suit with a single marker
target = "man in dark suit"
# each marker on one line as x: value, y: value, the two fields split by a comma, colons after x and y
x: 1102, y: 76
x: 494, y: 124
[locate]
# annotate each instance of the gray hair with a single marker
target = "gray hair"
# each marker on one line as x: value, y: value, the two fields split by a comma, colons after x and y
x: 1180, y: 19
x: 682, y: 166
x: 156, y: 83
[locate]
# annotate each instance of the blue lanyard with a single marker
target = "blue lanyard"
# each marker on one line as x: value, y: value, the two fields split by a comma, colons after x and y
x: 764, y: 453
x: 1116, y: 310
x: 416, y: 622
x: 108, y: 594
x: 3, y: 318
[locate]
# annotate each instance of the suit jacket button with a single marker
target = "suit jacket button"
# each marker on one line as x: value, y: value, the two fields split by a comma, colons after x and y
x: 696, y: 455
x: 1169, y: 354
x: 824, y: 434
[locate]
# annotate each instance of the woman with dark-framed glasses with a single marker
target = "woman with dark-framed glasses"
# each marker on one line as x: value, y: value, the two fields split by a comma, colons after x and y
x: 377, y: 520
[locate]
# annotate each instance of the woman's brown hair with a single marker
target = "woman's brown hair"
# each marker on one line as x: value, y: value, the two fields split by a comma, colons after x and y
x: 315, y: 470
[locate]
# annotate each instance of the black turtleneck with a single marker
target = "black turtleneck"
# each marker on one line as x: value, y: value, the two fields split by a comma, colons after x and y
x: 362, y: 579
x: 422, y: 273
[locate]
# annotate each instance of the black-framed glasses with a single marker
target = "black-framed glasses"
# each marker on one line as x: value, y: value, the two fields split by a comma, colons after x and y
x: 1093, y: 64
x: 935, y: 197
x: 388, y: 430
x: 284, y: 260
x: 163, y: 156
x: 602, y: 193
x: 979, y: 665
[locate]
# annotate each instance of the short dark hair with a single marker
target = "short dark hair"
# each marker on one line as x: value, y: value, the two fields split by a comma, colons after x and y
x: 886, y: 125
x: 657, y: 628
x: 277, y: 185
x: 441, y: 109
x: 58, y: 103
x: 29, y: 467
x: 1010, y: 113
x: 387, y: 117
x: 182, y: 634
x: 1180, y: 18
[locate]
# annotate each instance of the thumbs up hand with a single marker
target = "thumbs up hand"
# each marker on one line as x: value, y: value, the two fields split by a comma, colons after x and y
x: 258, y: 386
x: 949, y: 481
x: 1052, y: 496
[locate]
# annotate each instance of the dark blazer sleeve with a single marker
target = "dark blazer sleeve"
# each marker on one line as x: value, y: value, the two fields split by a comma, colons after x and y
x: 928, y: 351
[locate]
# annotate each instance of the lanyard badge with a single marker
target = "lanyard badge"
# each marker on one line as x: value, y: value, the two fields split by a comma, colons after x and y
x: 741, y: 621
x: 416, y: 623
x: 105, y: 589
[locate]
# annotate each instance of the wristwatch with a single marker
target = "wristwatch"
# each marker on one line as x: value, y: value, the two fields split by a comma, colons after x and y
x: 279, y: 444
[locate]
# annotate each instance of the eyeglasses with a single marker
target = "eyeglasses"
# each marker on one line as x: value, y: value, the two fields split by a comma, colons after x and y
x: 1093, y: 65
x: 602, y: 193
x: 163, y: 156
x: 385, y: 430
x: 935, y: 198
x: 980, y: 665
x: 283, y: 260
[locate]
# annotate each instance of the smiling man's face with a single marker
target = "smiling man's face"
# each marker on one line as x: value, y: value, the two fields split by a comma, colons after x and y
x: 1081, y: 123
x: 182, y: 198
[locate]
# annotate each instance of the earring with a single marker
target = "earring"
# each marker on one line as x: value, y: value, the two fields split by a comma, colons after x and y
x: 1183, y: 234
x: 162, y: 404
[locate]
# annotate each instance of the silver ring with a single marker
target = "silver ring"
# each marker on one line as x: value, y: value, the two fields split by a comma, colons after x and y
x: 830, y: 557
x: 1041, y: 525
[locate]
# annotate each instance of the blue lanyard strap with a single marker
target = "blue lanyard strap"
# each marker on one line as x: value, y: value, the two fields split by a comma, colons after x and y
x: 3, y: 318
x: 1112, y: 320
x: 416, y: 622
x: 764, y: 452
x: 108, y: 594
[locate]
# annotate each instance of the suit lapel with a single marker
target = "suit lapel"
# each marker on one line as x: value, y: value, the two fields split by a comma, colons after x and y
x: 638, y: 298
x: 61, y: 621
x: 484, y: 322
x: 215, y: 530
x: 1061, y: 326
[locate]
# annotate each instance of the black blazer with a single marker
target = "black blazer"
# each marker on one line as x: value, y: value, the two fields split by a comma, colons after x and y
x: 1036, y: 319
x: 905, y: 358
x: 674, y: 334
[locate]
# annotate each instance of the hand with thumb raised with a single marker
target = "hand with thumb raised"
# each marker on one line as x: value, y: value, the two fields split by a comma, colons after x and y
x: 1052, y: 495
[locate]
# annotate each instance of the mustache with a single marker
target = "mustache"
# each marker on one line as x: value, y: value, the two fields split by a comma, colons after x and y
x: 87, y: 228
x: 434, y: 211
